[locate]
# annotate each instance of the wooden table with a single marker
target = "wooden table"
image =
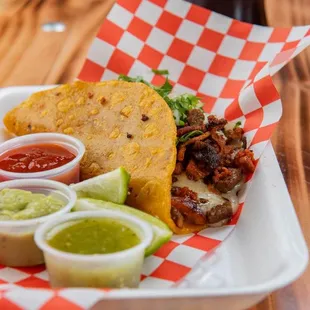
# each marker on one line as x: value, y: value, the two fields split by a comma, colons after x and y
x: 29, y: 56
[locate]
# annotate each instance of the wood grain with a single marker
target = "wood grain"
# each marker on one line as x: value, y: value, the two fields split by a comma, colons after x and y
x: 29, y: 56
x: 292, y: 144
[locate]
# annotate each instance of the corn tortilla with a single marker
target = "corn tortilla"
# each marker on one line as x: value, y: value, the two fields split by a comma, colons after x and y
x: 106, y: 117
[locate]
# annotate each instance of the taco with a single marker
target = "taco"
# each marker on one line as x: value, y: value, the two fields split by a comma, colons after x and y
x: 131, y: 125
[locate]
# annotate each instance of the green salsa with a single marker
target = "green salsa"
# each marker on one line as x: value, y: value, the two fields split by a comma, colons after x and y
x: 17, y: 204
x: 93, y: 236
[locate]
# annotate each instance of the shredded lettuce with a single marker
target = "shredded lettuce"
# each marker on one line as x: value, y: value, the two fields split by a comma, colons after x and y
x: 179, y: 105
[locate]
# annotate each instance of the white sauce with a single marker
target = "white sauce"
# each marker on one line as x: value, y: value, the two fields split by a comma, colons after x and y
x: 229, y: 126
x: 232, y: 196
x: 203, y: 192
x: 221, y: 134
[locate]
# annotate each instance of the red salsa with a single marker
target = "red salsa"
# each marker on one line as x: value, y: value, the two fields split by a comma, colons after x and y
x: 35, y: 158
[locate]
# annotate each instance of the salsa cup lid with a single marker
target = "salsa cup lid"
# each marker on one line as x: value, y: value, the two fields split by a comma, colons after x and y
x: 145, y: 235
x: 55, y: 186
x: 38, y: 138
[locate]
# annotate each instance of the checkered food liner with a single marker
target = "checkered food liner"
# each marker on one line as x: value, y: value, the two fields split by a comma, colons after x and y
x: 227, y: 63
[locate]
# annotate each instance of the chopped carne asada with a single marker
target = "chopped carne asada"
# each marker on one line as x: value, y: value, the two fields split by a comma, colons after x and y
x: 177, y: 217
x: 213, y: 153
x: 185, y: 206
x: 184, y: 192
x: 195, y: 117
x: 234, y: 134
x: 225, y: 179
x: 189, y: 210
x: 217, y: 123
x: 220, y: 213
x: 194, y: 172
x: 182, y: 131
x: 207, y: 157
x: 245, y: 160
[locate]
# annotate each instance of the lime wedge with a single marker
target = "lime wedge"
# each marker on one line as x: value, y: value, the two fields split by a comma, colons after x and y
x: 162, y: 233
x: 111, y: 186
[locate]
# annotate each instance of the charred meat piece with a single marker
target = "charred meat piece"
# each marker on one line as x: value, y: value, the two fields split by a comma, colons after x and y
x: 209, y: 156
x: 218, y: 138
x: 244, y: 142
x: 182, y: 148
x: 199, y: 145
x: 183, y: 130
x: 181, y: 152
x: 221, y: 173
x: 195, y: 117
x: 219, y: 158
x: 245, y: 160
x: 219, y: 213
x: 189, y: 209
x: 217, y: 123
x: 234, y: 134
x: 202, y: 137
x: 194, y: 172
x: 178, y: 168
x: 227, y: 149
x: 184, y: 192
x: 225, y: 179
x: 177, y: 217
x: 228, y: 155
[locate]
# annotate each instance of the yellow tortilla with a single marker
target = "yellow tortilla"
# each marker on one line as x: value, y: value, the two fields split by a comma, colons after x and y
x: 101, y: 115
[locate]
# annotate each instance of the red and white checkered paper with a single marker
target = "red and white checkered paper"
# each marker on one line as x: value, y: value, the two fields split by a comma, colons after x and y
x: 227, y: 63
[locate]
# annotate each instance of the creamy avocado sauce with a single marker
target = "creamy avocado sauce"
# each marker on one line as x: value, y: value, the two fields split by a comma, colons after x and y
x: 94, y: 236
x: 17, y: 204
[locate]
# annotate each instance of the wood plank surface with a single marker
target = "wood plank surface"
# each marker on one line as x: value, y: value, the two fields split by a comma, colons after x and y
x: 292, y: 143
x: 29, y: 56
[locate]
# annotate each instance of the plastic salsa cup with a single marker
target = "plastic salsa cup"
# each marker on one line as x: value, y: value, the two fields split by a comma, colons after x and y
x: 17, y: 246
x: 68, y: 173
x: 113, y: 270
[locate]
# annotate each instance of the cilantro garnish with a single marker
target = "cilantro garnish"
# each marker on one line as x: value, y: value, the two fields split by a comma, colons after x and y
x: 163, y: 90
x: 179, y: 105
x: 189, y: 135
x: 238, y: 124
x: 160, y: 72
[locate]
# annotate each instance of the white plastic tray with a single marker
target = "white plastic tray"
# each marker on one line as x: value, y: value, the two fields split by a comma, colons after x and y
x: 266, y: 250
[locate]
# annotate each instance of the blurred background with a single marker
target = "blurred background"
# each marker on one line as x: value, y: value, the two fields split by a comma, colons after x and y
x: 250, y: 11
x: 45, y: 41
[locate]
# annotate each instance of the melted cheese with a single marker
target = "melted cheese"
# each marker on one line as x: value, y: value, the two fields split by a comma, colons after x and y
x: 202, y: 190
